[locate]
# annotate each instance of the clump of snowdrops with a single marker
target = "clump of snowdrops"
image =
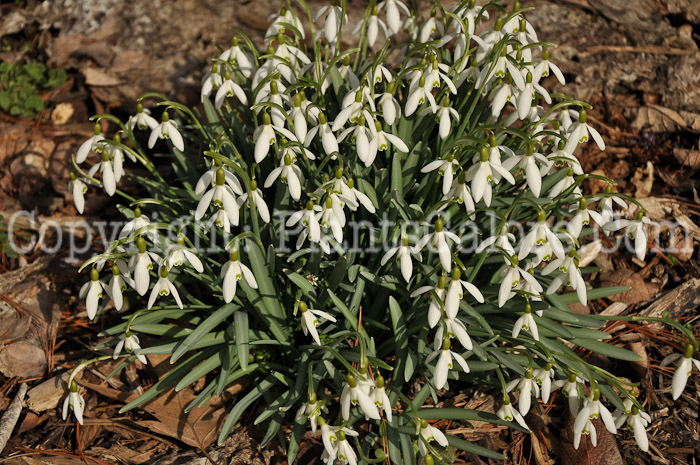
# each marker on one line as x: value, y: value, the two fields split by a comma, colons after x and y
x: 360, y: 232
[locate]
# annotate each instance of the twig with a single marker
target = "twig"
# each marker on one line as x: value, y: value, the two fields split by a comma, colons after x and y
x: 11, y: 415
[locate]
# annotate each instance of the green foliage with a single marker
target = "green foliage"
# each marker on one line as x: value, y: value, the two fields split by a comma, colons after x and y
x: 21, y: 83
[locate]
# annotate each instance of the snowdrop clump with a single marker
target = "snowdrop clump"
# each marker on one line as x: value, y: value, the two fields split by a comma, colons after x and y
x: 311, y: 228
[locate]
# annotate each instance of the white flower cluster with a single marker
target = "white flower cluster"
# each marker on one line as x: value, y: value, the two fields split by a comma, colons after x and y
x: 330, y: 139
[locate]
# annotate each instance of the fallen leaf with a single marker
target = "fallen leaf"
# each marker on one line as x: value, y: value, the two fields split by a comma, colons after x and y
x: 687, y: 157
x: 22, y: 360
x: 658, y: 119
x: 641, y: 367
x: 62, y: 113
x: 643, y: 180
x: 98, y: 77
x: 128, y: 60
x: 48, y: 395
x: 604, y: 453
x: 640, y: 290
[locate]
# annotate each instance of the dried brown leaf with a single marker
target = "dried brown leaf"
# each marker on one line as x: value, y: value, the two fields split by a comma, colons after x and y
x: 23, y: 360
x: 640, y: 289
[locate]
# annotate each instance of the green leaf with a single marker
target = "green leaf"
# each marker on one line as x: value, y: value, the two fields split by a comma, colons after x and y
x: 465, y: 415
x: 607, y: 349
x: 397, y: 175
x: 271, y: 310
x: 202, y: 329
x: 473, y: 448
x: 240, y: 321
x: 34, y: 103
x: 5, y: 100
x: 200, y: 370
x: 243, y: 404
x: 296, y: 437
x: 302, y: 283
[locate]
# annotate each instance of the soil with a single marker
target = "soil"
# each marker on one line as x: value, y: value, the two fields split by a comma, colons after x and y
x: 639, y: 66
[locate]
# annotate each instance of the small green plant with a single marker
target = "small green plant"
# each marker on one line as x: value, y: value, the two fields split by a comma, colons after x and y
x: 20, y: 84
x: 6, y: 247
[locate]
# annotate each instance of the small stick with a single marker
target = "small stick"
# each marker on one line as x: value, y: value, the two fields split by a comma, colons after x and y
x: 11, y: 415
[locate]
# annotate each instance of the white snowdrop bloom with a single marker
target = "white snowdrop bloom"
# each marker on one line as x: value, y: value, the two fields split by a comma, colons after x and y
x: 543, y: 376
x: 227, y: 89
x: 106, y: 169
x: 94, y: 142
x: 502, y: 69
x: 211, y: 81
x: 312, y: 228
x: 430, y: 26
x: 166, y: 129
x: 373, y: 26
x: 244, y: 61
x: 390, y: 108
x: 437, y: 74
x: 569, y: 275
x: 527, y: 163
x: 526, y: 322
x: 377, y: 73
x: 330, y: 436
x: 564, y: 185
x: 561, y: 158
x: 328, y: 139
x: 417, y: 95
x: 312, y: 410
x: 543, y: 68
x: 455, y: 293
x: 276, y: 102
x: 592, y: 409
x: 508, y: 413
x: 265, y: 135
x: 527, y: 96
x: 512, y: 275
x: 180, y: 254
x: 352, y: 196
x: 222, y: 196
x: 683, y: 369
x: 469, y: 72
x: 404, y: 257
x: 438, y: 241
x: 444, y: 363
x: 348, y: 75
x: 92, y: 292
x: 332, y: 217
x: 582, y: 217
x: 116, y: 154
x: 130, y: 343
x: 569, y: 387
x: 384, y: 139
x: 436, y: 299
x: 429, y: 433
x: 446, y: 168
x: 605, y: 206
x: 445, y: 116
x: 468, y: 12
x: 78, y: 188
x: 298, y: 118
x: 393, y: 10
x: 637, y: 421
x: 163, y: 287
x: 460, y: 192
x: 451, y: 328
x: 309, y: 320
x: 539, y: 235
x: 502, y: 241
x: 141, y: 264
x: 333, y: 19
x: 380, y: 398
x: 634, y: 230
x: 286, y: 15
x: 351, y: 110
x: 365, y: 142
x: 290, y: 174
x: 232, y: 272
x: 526, y: 289
x: 526, y: 387
x: 142, y: 119
x: 219, y: 219
x: 255, y: 199
x: 344, y: 451
x: 501, y: 94
x: 488, y: 40
x: 579, y: 132
x: 481, y: 176
x: 355, y: 395
x: 116, y: 286
x: 208, y: 180
x: 74, y: 401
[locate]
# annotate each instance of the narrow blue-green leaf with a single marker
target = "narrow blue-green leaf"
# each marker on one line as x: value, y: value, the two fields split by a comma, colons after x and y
x: 275, y: 316
x: 240, y: 322
x: 202, y: 329
x: 473, y: 448
x: 295, y: 438
x: 242, y: 405
x: 465, y: 415
x: 200, y: 370
x: 301, y: 282
x: 607, y: 349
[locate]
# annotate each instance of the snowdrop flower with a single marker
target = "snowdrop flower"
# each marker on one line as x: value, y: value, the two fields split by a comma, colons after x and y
x: 455, y: 293
x: 138, y: 224
x: 468, y: 12
x: 526, y: 322
x: 344, y: 451
x: 437, y: 298
x: 211, y: 81
x: 142, y: 119
x: 374, y: 24
x: 511, y: 278
x: 140, y: 265
x: 130, y: 344
x: 333, y: 18
x: 333, y: 217
x: 527, y: 162
x: 637, y: 421
x: 579, y: 132
x: 351, y: 109
x: 569, y: 387
x: 438, y: 241
x: 180, y: 254
x: 278, y: 23
x: 74, y: 402
x: 444, y: 363
x: 92, y: 292
x: 403, y: 253
x: 445, y: 116
x: 354, y: 394
x: 543, y: 376
x: 564, y: 185
x: 560, y: 157
x: 543, y: 68
x: 436, y: 74
x: 384, y: 139
x: 255, y: 199
x: 446, y: 168
x: 290, y: 174
x: 428, y: 433
x: 508, y: 413
x: 501, y: 94
x: 390, y: 108
x: 328, y: 139
x: 683, y: 369
x: 527, y: 96
x: 377, y: 73
x: 526, y: 387
x: 503, y: 69
x: 460, y: 192
x: 583, y: 218
x: 353, y: 196
x: 308, y: 219
x: 309, y: 320
x: 312, y: 410
x: 430, y: 26
x: 488, y: 39
x: 116, y: 154
x: 393, y: 8
x: 232, y: 272
x: 106, y: 169
x: 539, y: 235
x: 265, y: 135
x: 451, y: 328
x: 78, y: 188
x: 634, y: 230
x: 381, y: 399
x: 222, y: 196
x: 570, y: 275
x: 90, y: 145
x: 592, y: 409
x: 163, y: 287
x: 237, y: 55
x: 502, y: 241
x: 298, y: 117
x: 167, y: 129
x: 365, y: 141
x: 605, y: 206
x: 481, y: 176
x: 116, y: 286
x: 229, y: 88
x: 417, y: 95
